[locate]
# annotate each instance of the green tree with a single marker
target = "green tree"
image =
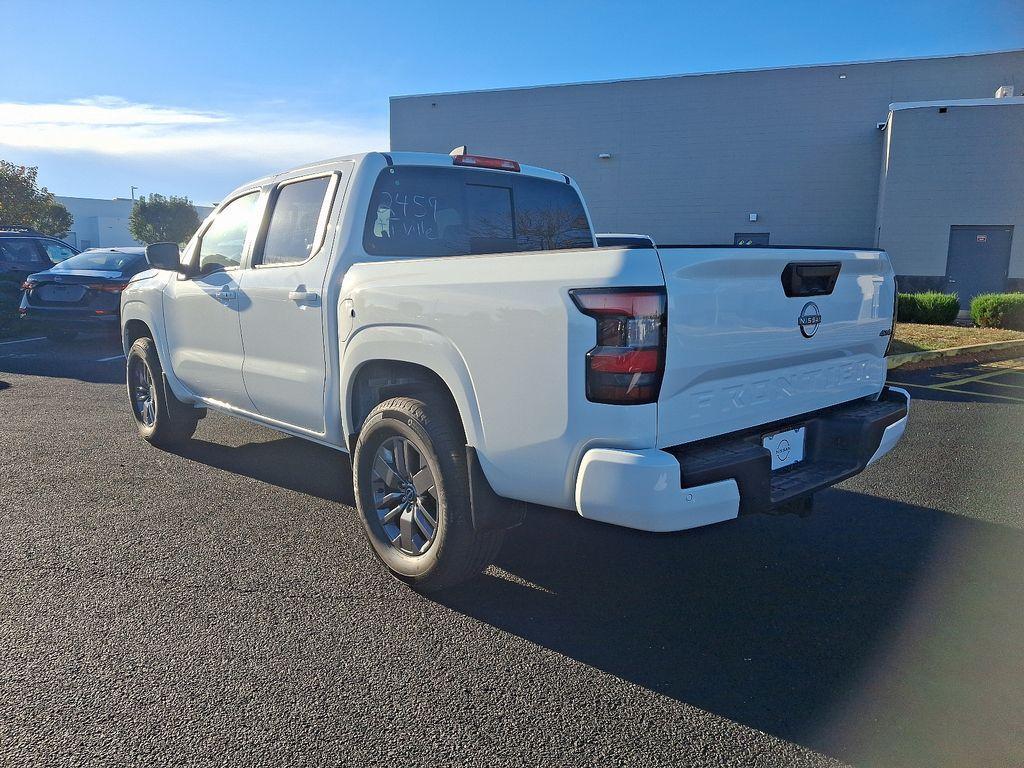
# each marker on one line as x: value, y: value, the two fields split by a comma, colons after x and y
x: 159, y: 219
x: 23, y: 203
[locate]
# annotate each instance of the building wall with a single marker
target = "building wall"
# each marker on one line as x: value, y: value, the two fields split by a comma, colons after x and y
x: 961, y: 166
x: 104, y: 223
x: 692, y: 156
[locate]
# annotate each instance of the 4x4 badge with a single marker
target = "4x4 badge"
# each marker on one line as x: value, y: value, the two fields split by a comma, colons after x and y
x: 809, y: 319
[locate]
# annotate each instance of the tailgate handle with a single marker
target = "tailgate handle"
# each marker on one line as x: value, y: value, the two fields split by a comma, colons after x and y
x: 810, y: 278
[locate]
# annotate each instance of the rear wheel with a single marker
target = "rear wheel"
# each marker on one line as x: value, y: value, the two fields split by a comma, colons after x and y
x: 412, y: 491
x: 162, y: 418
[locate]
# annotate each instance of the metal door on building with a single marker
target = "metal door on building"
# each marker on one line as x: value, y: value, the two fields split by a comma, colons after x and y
x: 978, y: 260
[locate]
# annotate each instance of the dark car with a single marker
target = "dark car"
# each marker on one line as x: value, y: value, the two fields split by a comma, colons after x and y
x: 24, y: 251
x: 83, y: 292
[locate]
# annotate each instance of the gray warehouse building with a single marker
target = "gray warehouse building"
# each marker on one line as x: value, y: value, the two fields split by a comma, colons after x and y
x: 923, y: 157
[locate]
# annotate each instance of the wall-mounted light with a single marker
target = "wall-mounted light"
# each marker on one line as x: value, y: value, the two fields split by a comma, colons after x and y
x: 604, y: 156
x: 842, y: 76
x: 753, y: 217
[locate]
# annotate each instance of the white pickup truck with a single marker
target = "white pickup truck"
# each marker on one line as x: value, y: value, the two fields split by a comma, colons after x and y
x: 451, y: 323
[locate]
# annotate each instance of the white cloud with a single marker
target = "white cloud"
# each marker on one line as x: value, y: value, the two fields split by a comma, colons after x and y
x: 110, y: 126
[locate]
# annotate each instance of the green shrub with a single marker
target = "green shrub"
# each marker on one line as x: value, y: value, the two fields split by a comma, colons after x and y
x: 998, y: 310
x: 933, y: 308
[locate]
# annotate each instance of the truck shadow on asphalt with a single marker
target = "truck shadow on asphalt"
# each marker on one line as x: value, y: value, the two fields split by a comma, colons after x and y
x: 875, y: 631
x: 847, y: 631
x: 288, y: 462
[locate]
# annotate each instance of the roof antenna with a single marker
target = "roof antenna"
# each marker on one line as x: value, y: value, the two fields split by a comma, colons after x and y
x: 459, y: 151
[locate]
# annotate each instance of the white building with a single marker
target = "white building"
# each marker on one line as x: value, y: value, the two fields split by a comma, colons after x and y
x: 780, y: 156
x: 104, y: 223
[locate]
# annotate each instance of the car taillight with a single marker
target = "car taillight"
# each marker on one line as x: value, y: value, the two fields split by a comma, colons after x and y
x: 626, y: 366
x: 477, y: 161
x: 28, y: 285
x: 107, y: 287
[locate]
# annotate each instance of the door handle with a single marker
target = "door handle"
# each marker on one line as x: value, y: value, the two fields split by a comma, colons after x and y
x: 307, y: 297
x: 225, y: 296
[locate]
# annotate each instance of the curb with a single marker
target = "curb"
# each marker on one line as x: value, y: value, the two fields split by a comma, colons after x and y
x: 895, y: 361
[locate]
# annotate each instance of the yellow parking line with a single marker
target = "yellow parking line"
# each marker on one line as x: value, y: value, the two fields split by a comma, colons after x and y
x: 1000, y: 370
x: 948, y: 388
x: 983, y: 394
x: 1001, y: 384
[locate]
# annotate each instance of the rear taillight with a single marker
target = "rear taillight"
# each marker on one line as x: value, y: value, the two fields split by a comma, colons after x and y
x: 107, y: 287
x: 478, y: 161
x: 626, y: 366
x: 28, y: 285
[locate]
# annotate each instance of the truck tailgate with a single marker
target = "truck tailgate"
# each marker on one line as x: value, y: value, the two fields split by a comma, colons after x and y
x: 741, y: 352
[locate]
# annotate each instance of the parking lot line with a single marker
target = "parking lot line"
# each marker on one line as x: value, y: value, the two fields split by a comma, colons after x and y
x: 948, y: 388
x: 1001, y: 384
x: 992, y: 370
x: 22, y: 341
x: 108, y: 359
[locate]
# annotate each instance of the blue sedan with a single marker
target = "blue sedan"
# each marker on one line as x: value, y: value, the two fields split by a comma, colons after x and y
x: 82, y: 293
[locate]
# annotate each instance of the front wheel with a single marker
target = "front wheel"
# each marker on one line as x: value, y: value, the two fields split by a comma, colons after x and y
x: 412, y: 492
x: 162, y: 418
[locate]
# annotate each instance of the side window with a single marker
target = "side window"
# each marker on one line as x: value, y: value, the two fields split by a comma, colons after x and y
x: 292, y: 231
x: 57, y: 252
x: 221, y: 245
x: 20, y: 251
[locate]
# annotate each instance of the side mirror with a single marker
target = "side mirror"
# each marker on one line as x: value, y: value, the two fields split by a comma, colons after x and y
x: 164, y: 256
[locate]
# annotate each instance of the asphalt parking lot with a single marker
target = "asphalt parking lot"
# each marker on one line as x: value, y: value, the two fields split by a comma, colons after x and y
x: 219, y: 606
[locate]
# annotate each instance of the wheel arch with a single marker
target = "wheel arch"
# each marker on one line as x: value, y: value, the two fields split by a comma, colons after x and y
x: 133, y: 330
x: 383, y: 362
x: 139, y: 318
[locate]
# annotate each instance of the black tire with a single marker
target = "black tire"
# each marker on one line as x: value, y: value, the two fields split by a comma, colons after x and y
x: 59, y: 337
x: 456, y: 552
x: 162, y: 418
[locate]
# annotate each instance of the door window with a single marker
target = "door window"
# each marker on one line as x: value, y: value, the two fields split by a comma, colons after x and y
x: 222, y: 243
x: 57, y: 252
x: 295, y: 222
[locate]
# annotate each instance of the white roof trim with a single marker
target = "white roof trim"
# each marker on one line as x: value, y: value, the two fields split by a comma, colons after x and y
x: 1008, y: 101
x: 823, y: 65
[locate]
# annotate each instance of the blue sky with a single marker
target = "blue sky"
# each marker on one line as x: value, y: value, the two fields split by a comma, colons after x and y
x: 193, y: 98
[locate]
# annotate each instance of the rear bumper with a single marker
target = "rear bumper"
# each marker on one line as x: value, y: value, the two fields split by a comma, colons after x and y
x: 71, y: 317
x: 717, y: 480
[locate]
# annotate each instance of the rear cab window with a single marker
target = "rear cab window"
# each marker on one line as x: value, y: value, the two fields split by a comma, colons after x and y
x: 438, y: 211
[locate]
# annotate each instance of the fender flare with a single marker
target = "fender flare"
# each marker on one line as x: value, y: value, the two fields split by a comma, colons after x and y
x: 417, y: 345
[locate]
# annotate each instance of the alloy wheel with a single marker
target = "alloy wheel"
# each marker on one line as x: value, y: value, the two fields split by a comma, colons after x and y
x: 404, y: 496
x: 143, y: 392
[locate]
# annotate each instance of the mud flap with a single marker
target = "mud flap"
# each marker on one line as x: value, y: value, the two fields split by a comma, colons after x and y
x: 491, y: 512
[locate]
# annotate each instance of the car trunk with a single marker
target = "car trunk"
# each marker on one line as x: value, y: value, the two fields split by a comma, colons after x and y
x: 77, y: 289
x: 742, y: 353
